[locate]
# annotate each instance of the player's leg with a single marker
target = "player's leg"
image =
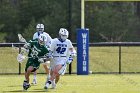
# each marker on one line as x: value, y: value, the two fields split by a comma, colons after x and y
x: 28, y: 71
x: 55, y: 73
x: 47, y: 70
x: 34, y: 78
x: 57, y: 79
x: 61, y: 72
x: 31, y: 66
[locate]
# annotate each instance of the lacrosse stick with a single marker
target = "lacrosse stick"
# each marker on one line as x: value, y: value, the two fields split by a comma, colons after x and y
x: 15, y: 48
x: 21, y: 58
x: 21, y: 39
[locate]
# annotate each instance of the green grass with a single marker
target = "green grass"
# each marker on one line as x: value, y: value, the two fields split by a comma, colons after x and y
x: 101, y: 59
x: 76, y: 84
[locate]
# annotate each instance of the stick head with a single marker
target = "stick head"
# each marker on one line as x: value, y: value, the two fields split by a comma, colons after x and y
x: 21, y: 39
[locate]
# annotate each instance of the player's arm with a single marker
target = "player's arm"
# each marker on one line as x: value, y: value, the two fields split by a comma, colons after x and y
x: 72, y: 50
x: 35, y: 36
x: 46, y: 57
x: 49, y: 40
x: 71, y: 53
x: 26, y: 47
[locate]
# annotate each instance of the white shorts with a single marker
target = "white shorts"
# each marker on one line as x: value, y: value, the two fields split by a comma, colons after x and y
x: 57, y: 61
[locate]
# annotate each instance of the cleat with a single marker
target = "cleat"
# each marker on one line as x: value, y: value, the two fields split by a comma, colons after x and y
x: 53, y: 85
x: 26, y: 85
x: 34, y: 82
x: 47, y: 85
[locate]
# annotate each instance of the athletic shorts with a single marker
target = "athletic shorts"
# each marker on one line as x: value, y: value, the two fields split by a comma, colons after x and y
x: 32, y: 62
x: 57, y: 61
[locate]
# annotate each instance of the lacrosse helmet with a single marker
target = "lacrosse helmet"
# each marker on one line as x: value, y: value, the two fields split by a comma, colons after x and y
x: 63, y: 34
x: 40, y: 28
x: 42, y: 39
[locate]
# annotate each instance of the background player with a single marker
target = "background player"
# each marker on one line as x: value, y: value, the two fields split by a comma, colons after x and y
x: 40, y: 30
x: 60, y: 48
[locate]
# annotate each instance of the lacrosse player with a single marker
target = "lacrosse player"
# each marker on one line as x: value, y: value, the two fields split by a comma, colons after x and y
x: 40, y: 30
x: 37, y: 54
x: 60, y: 48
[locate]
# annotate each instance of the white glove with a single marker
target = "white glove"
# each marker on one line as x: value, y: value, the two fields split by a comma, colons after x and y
x: 20, y: 58
x: 69, y: 60
x: 27, y: 46
x: 49, y: 55
x: 41, y: 60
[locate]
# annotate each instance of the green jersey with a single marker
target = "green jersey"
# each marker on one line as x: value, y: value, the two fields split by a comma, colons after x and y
x: 36, y: 51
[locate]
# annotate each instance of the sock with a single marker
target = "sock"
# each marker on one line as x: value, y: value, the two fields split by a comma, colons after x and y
x: 35, y: 76
x: 26, y: 81
x: 53, y: 82
x: 48, y: 76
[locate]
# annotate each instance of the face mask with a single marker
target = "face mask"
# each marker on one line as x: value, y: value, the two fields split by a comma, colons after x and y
x: 40, y: 30
x: 63, y: 37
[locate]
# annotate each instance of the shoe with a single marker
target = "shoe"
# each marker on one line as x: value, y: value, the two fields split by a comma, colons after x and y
x: 26, y: 85
x: 48, y: 78
x: 46, y: 86
x: 34, y: 82
x: 53, y: 85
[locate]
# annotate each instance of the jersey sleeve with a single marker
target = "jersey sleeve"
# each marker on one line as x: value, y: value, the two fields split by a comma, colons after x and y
x: 52, y: 45
x: 35, y: 36
x: 70, y: 44
x: 49, y: 39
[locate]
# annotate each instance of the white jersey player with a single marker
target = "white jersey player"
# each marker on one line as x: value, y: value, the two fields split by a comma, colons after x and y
x: 40, y: 30
x: 60, y: 47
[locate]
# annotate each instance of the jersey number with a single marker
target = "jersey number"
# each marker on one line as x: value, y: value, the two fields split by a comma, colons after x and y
x: 61, y: 50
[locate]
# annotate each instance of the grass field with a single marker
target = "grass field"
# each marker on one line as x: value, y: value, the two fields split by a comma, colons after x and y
x: 97, y: 83
x: 101, y: 59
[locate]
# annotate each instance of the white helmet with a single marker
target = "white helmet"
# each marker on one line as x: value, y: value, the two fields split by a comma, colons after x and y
x: 63, y: 33
x: 40, y: 28
x: 42, y: 39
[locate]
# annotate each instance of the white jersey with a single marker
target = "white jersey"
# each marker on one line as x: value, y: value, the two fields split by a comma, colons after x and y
x: 36, y: 35
x: 59, y: 48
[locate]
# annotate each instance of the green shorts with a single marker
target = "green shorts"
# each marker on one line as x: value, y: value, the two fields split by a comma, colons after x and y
x: 32, y: 62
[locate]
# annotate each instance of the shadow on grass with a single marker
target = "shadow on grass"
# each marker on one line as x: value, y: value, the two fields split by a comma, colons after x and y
x: 34, y: 91
x: 15, y: 86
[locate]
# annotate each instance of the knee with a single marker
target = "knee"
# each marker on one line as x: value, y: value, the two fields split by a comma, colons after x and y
x: 56, y: 73
x: 30, y: 69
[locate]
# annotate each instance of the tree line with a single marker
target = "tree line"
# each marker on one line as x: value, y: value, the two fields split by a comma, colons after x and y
x: 107, y: 21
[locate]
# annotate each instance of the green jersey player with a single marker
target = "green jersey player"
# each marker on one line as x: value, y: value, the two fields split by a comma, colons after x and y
x: 40, y: 30
x: 37, y: 54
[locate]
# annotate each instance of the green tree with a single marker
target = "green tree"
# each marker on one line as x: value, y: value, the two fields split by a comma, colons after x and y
x: 30, y: 30
x: 112, y: 21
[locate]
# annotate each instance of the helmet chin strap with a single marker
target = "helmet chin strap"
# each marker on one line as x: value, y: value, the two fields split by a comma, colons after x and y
x: 63, y: 38
x: 40, y: 32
